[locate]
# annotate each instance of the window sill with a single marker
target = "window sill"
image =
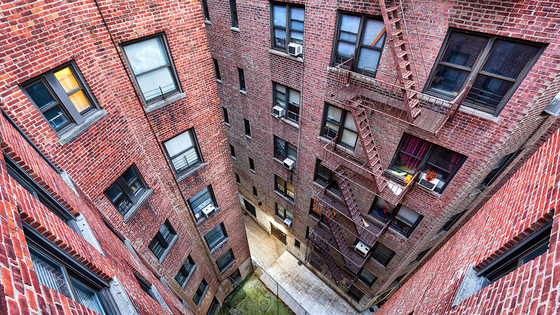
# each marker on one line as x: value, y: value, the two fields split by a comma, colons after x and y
x: 233, y: 157
x: 243, y: 92
x: 207, y: 22
x: 287, y: 121
x: 220, y: 244
x: 248, y: 137
x: 168, y: 249
x: 464, y: 108
x: 206, y: 218
x: 219, y: 81
x: 71, y: 133
x: 235, y: 29
x: 253, y: 171
x: 285, y: 55
x: 130, y: 213
x: 166, y: 101
x: 189, y: 277
x: 227, y: 124
x: 228, y: 266
x: 338, y: 145
x: 191, y: 171
x: 284, y: 197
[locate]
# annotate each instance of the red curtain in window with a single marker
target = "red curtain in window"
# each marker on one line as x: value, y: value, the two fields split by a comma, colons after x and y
x: 415, y: 147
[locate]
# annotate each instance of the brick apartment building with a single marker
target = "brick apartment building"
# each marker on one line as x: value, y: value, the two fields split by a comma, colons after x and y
x: 332, y: 146
x: 504, y: 260
x: 119, y: 100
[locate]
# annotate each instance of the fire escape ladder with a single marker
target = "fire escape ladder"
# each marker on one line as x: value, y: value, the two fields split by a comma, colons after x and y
x: 398, y: 45
x: 337, y: 233
x: 331, y: 264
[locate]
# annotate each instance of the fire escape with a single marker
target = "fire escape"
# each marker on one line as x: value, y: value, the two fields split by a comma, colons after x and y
x: 344, y: 238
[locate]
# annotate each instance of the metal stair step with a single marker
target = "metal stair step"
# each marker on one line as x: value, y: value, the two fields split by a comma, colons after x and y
x: 394, y: 21
x: 413, y: 103
x: 406, y: 73
x: 404, y: 64
x: 397, y: 32
x: 399, y: 42
x: 402, y: 53
x: 408, y: 84
x: 391, y: 9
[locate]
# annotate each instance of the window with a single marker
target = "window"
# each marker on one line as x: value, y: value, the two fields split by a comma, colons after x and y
x: 202, y: 201
x: 150, y: 61
x: 307, y: 232
x: 255, y: 193
x: 338, y: 122
x: 288, y: 99
x: 528, y: 249
x: 126, y: 190
x: 297, y: 243
x: 404, y: 219
x: 495, y: 65
x: 199, y: 294
x: 205, y: 10
x: 360, y: 36
x: 183, y: 151
x: 382, y: 254
x: 355, y: 293
x: 185, y: 271
x: 215, y: 236
x: 314, y: 211
x: 420, y: 256
x: 415, y: 154
x: 235, y: 278
x: 284, y: 188
x: 454, y: 218
x: 325, y: 177
x: 225, y: 260
x: 498, y: 168
x: 284, y: 214
x: 251, y: 165
x: 247, y: 127
x: 217, y: 68
x: 287, y: 25
x: 162, y: 240
x: 367, y: 277
x: 233, y: 9
x: 226, y: 116
x: 213, y: 309
x: 237, y: 179
x: 232, y: 151
x: 62, y: 96
x: 146, y: 287
x: 284, y: 149
x: 241, y: 79
x: 381, y: 210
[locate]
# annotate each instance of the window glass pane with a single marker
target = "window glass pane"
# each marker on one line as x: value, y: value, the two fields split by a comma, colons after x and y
x: 56, y: 117
x: 166, y: 232
x: 181, y: 277
x: 445, y: 160
x: 381, y: 210
x: 349, y: 26
x: 279, y: 15
x: 372, y: 29
x: 539, y: 251
x: 214, y: 236
x: 349, y: 138
x: 146, y: 55
x: 156, y: 83
x: 132, y: 181
x: 181, y: 150
x: 40, y: 95
x: 294, y: 97
x: 279, y: 38
x: 407, y: 215
x: 367, y: 276
x: 298, y: 15
x: 368, y: 59
x: 464, y: 49
x: 508, y: 59
x: 225, y: 260
x: 413, y: 151
x: 291, y: 190
x: 79, y: 101
x: 448, y: 80
x: 87, y: 297
x: 117, y: 197
x: 296, y: 37
x: 156, y: 248
x: 66, y: 79
x: 345, y: 49
x: 49, y: 273
x: 488, y: 91
x: 280, y: 184
x: 289, y: 215
x: 334, y: 114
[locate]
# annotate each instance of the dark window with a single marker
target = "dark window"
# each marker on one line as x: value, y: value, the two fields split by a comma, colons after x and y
x: 247, y: 127
x: 288, y: 99
x: 225, y: 260
x: 226, y: 116
x: 283, y: 214
x: 126, y: 190
x: 62, y: 96
x: 338, y: 122
x: 251, y: 164
x: 495, y: 65
x: 360, y: 36
x: 241, y: 79
x: 528, y: 249
x: 217, y: 69
x: 255, y: 193
x: 307, y: 232
x: 233, y: 9
x: 381, y: 210
x: 367, y: 277
x: 404, y: 219
x: 232, y: 150
x: 146, y: 287
x: 162, y: 239
x: 205, y: 10
x: 153, y: 70
x: 185, y: 271
x: 200, y: 292
x: 382, y: 254
x: 237, y: 179
x: 420, y: 256
x: 454, y: 218
x: 297, y: 243
x: 325, y: 177
x: 183, y: 151
x: 203, y: 203
x: 287, y: 25
x: 498, y: 168
x: 284, y: 149
x: 355, y: 293
x: 284, y: 187
x: 214, y: 306
x: 235, y: 278
x: 415, y: 154
x: 215, y: 236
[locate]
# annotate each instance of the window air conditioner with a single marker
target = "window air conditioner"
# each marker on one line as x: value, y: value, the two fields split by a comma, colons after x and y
x: 289, y: 163
x: 288, y: 222
x: 430, y: 185
x: 362, y: 248
x: 278, y: 111
x: 553, y: 108
x: 208, y: 210
x: 295, y: 49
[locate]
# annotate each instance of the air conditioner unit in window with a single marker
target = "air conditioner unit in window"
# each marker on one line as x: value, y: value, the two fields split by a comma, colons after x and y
x: 295, y: 49
x: 553, y: 108
x: 289, y: 163
x: 208, y: 210
x: 278, y: 111
x: 362, y: 248
x: 288, y: 222
x: 430, y: 185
